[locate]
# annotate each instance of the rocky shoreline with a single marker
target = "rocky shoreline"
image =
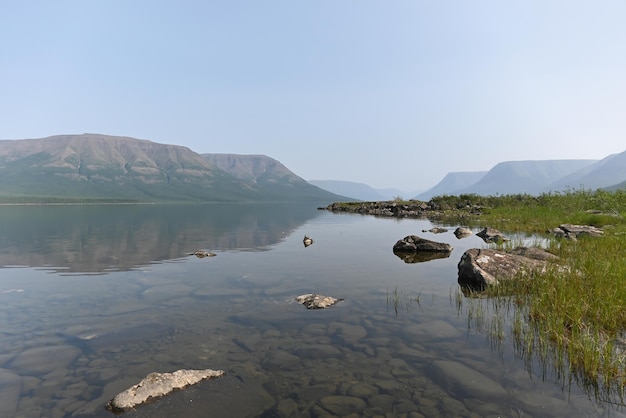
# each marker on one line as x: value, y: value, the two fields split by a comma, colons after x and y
x: 404, y: 209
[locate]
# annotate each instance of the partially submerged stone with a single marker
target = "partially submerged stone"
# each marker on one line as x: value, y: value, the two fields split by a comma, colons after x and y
x: 156, y: 385
x: 480, y: 268
x: 202, y: 254
x: 314, y: 301
x: 307, y: 241
x: 414, y: 243
x: 491, y: 235
x: 435, y: 230
x: 461, y: 232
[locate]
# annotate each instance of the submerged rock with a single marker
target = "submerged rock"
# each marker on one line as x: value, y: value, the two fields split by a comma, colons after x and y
x: 313, y: 301
x: 156, y: 385
x: 467, y: 382
x: 414, y: 243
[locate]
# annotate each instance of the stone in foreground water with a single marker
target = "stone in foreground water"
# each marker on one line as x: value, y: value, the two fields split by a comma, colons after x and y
x: 156, y: 385
x: 313, y: 301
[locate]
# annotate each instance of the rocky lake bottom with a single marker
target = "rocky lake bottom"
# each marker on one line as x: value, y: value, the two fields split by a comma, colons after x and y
x: 396, y: 346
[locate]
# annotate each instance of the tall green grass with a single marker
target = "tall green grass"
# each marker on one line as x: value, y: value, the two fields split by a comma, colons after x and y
x: 573, y: 317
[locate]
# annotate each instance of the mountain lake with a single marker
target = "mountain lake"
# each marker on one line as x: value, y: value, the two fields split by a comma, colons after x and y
x: 93, y: 298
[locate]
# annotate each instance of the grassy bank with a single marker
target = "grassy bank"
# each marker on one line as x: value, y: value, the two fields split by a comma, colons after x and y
x: 573, y: 318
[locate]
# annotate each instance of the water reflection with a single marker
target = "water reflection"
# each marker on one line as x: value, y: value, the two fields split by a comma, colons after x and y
x: 419, y: 257
x: 101, y: 238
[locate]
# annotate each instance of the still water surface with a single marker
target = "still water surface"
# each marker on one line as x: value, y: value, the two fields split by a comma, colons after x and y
x: 93, y: 298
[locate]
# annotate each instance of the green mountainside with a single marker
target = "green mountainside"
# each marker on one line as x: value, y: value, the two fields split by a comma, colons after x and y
x: 93, y: 167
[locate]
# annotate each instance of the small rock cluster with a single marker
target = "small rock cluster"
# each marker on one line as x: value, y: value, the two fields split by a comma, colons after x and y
x: 572, y: 232
x: 313, y: 301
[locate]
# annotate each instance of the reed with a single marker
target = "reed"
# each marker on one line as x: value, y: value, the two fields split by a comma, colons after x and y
x: 399, y: 300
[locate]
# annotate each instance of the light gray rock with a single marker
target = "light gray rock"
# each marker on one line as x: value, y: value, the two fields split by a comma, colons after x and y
x: 575, y: 231
x: 156, y: 385
x: 480, y: 268
x: 314, y: 301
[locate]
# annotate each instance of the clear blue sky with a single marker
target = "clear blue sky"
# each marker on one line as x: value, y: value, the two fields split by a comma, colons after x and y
x: 392, y: 93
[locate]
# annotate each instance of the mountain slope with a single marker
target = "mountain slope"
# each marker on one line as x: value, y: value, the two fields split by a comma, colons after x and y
x: 605, y: 173
x: 451, y: 183
x: 532, y: 177
x: 95, y: 167
x: 269, y: 176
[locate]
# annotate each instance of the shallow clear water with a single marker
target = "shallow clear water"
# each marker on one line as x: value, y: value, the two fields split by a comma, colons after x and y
x: 93, y: 298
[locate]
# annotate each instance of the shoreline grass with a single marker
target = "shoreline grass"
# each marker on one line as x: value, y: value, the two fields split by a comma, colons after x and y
x: 572, y: 318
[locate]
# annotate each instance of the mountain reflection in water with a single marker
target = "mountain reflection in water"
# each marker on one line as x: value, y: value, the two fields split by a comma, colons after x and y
x: 101, y: 238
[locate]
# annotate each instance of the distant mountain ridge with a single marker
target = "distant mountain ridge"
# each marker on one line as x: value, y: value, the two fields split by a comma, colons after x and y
x: 535, y: 177
x: 451, y: 183
x: 359, y: 191
x: 102, y: 167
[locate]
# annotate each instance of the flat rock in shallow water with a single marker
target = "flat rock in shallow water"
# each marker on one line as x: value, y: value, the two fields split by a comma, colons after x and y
x: 313, y: 301
x: 156, y: 385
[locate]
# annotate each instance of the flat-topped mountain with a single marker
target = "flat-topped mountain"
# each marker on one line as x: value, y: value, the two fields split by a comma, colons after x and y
x: 535, y: 177
x: 94, y: 167
x: 266, y: 175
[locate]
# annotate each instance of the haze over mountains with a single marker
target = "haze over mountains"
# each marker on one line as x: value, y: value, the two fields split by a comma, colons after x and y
x: 93, y: 167
x: 359, y: 191
x: 536, y: 177
x: 511, y: 177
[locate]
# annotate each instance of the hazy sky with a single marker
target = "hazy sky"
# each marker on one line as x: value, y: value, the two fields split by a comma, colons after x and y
x: 392, y: 93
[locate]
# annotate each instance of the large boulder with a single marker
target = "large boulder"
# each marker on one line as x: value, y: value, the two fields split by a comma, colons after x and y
x: 413, y: 243
x: 480, y: 268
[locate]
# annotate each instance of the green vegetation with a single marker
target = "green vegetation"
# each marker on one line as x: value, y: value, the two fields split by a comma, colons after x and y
x: 573, y: 317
